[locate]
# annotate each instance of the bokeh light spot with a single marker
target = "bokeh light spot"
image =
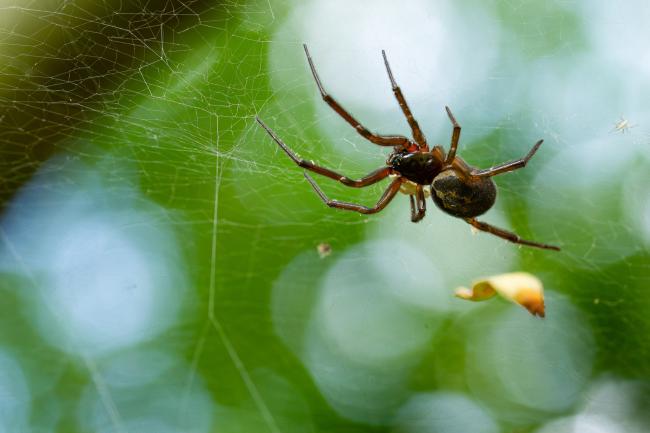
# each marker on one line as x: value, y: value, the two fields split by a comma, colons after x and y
x: 447, y: 412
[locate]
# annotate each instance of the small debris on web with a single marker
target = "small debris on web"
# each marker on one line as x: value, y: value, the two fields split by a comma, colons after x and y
x: 519, y: 287
x: 324, y: 249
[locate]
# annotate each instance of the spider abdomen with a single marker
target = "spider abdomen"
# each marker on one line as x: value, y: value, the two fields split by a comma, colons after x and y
x: 463, y: 197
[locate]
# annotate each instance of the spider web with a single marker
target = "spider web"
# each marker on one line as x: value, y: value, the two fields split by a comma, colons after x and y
x: 159, y: 252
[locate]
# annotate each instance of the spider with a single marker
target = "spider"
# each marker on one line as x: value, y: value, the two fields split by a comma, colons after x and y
x: 622, y: 126
x: 456, y: 188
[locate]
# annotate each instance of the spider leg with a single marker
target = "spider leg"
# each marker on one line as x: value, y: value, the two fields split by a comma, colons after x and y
x: 386, y: 198
x: 509, y: 236
x: 369, y: 179
x: 416, y: 216
x: 418, y: 136
x: 382, y: 140
x: 508, y: 166
x: 455, y: 136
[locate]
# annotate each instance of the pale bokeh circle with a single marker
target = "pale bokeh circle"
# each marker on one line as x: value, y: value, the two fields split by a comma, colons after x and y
x: 525, y: 368
x: 443, y: 411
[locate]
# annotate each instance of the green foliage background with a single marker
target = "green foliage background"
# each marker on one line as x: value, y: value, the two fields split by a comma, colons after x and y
x: 157, y: 102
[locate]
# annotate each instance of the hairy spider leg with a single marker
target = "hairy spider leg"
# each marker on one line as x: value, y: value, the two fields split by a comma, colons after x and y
x: 381, y: 140
x: 386, y: 198
x: 509, y: 236
x: 508, y: 166
x: 418, y: 136
x: 455, y: 136
x: 417, y: 215
x: 373, y: 177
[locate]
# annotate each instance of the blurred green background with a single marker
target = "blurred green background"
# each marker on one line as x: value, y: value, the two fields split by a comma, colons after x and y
x: 159, y: 265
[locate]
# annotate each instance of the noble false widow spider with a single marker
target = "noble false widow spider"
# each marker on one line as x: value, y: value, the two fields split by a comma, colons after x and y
x: 456, y: 187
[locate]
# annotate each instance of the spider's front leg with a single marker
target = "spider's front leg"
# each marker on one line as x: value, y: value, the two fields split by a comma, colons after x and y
x: 418, y: 136
x: 369, y: 179
x: 386, y: 198
x: 381, y: 140
x: 417, y: 215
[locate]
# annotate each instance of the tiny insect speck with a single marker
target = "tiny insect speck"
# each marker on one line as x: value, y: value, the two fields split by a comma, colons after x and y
x: 324, y: 249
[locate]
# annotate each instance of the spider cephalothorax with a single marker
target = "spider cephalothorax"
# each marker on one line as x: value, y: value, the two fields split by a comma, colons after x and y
x: 455, y: 187
x: 417, y: 167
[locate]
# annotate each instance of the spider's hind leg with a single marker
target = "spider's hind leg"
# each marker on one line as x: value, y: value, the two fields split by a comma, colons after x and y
x: 509, y: 236
x: 455, y: 136
x: 508, y: 166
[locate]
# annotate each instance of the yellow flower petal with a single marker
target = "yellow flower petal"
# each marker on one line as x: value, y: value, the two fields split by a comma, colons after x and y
x: 519, y: 287
x: 479, y: 292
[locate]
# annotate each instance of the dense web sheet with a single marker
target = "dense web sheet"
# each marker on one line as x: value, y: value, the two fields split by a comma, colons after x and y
x: 159, y: 251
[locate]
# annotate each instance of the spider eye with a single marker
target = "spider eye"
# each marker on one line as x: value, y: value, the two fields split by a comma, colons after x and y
x: 394, y: 159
